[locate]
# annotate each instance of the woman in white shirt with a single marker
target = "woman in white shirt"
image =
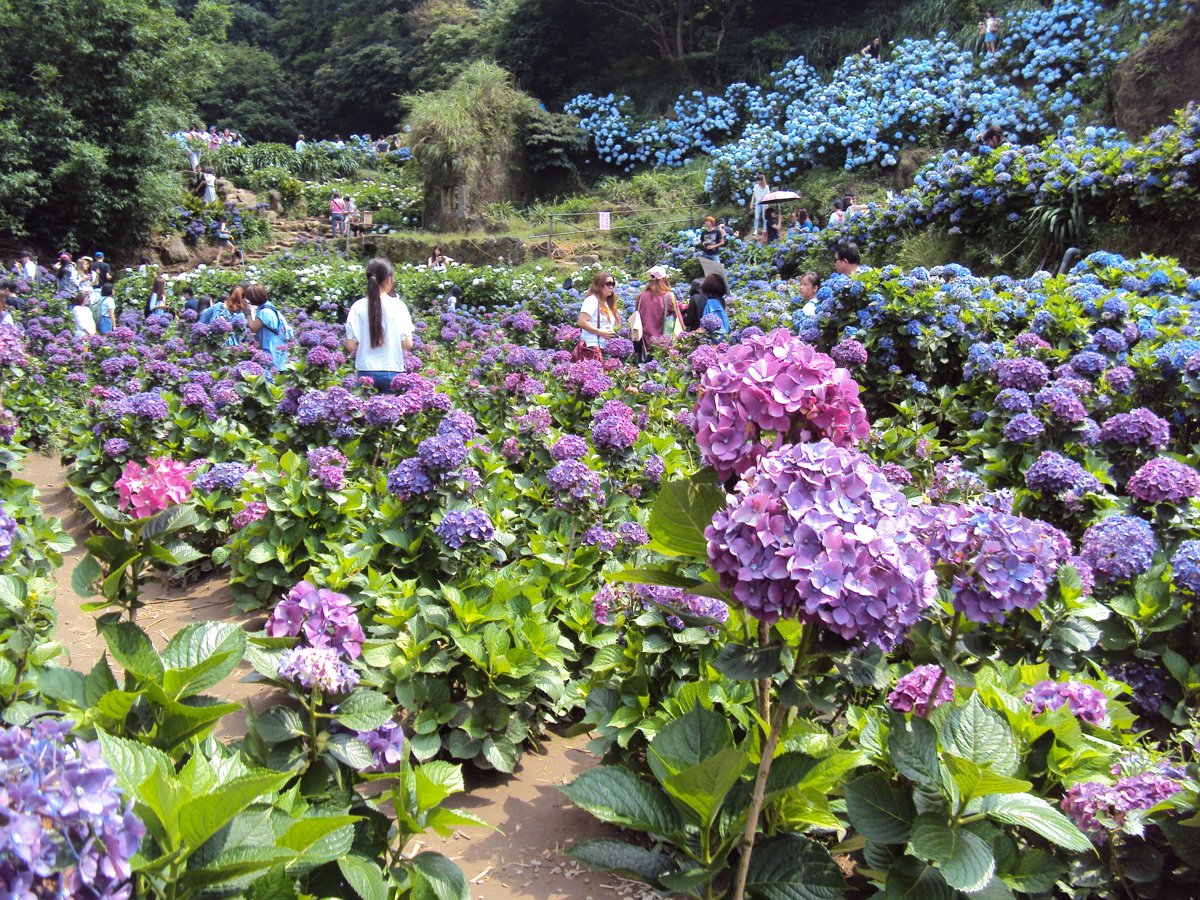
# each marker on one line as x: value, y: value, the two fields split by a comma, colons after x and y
x: 85, y: 322
x: 379, y: 328
x: 599, y: 319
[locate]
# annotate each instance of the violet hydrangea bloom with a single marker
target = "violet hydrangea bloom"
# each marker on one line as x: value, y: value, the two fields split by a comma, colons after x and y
x: 328, y: 466
x: 1053, y: 473
x: 1164, y: 480
x: 317, y: 669
x: 251, y: 512
x: 575, y: 486
x: 8, y: 425
x: 598, y: 536
x: 458, y: 526
x: 1119, y: 547
x: 386, y: 744
x: 8, y: 528
x: 847, y: 353
x: 67, y: 831
x: 1000, y: 562
x: 769, y: 392
x: 613, y: 428
x: 1023, y: 429
x: 323, y: 618
x: 1139, y: 427
x: 1185, y: 566
x: 569, y: 446
x: 1085, y: 702
x: 1023, y: 373
x: 1100, y: 809
x: 914, y: 691
x: 226, y: 476
x: 816, y: 532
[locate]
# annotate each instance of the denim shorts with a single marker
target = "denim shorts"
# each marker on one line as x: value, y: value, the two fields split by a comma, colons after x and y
x: 382, y: 380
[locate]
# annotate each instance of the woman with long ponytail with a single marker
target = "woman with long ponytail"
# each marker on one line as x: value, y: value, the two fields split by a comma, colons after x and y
x: 379, y: 328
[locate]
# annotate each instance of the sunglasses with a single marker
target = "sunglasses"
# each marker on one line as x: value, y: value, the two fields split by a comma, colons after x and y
x: 610, y: 284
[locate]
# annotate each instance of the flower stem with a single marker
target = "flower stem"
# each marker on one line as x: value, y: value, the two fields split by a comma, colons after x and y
x: 764, y: 684
x: 954, y: 626
x: 757, y: 799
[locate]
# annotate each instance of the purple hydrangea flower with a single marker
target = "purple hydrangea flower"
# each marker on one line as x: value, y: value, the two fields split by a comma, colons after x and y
x: 8, y: 528
x: 1023, y: 373
x: 575, y: 486
x: 317, y: 669
x: 1024, y: 429
x: 1000, y: 562
x: 599, y: 536
x: 1136, y: 428
x: 252, y: 512
x: 1089, y: 363
x: 115, y: 447
x: 654, y: 468
x: 673, y: 598
x: 1100, y: 809
x: 848, y: 353
x: 1062, y: 403
x: 408, y: 480
x: 67, y: 832
x: 442, y: 453
x: 1052, y: 473
x: 613, y: 428
x: 226, y: 476
x: 386, y: 744
x: 769, y: 392
x: 1119, y: 547
x: 324, y: 618
x: 328, y: 466
x: 814, y: 531
x: 1120, y: 379
x: 1013, y: 400
x: 632, y: 533
x: 458, y: 526
x: 569, y: 446
x: 914, y: 691
x: 1164, y: 480
x: 1185, y: 566
x: 1084, y: 701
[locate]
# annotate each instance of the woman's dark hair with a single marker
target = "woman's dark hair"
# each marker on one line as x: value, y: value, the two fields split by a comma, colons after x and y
x: 202, y: 304
x: 82, y: 298
x: 802, y: 215
x: 379, y: 270
x: 256, y: 294
x: 106, y: 290
x: 714, y: 286
x: 812, y: 278
x: 160, y: 287
x: 848, y: 251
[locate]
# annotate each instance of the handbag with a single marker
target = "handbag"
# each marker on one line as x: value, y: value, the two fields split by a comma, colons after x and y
x: 582, y: 351
x: 635, y: 325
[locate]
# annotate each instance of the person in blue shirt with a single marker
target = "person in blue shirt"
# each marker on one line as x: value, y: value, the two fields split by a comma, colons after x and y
x: 269, y: 325
x: 714, y: 290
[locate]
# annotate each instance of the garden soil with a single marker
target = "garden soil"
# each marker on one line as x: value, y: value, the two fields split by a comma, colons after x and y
x: 521, y: 856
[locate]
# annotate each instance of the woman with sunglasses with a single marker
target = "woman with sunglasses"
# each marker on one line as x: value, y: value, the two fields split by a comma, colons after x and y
x: 599, y: 319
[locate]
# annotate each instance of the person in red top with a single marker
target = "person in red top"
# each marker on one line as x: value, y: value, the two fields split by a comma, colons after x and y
x: 653, y: 304
x: 337, y: 215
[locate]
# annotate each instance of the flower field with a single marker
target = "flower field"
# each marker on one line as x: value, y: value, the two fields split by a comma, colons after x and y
x: 902, y: 582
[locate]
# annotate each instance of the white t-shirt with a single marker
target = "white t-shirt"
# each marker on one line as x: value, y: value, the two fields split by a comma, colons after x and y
x: 396, y: 325
x: 601, y: 319
x: 85, y: 323
x: 30, y: 270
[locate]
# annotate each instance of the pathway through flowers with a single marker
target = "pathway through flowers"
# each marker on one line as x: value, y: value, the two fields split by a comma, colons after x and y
x: 520, y: 859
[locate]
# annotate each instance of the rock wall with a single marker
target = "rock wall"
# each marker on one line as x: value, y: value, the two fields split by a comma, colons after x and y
x: 1161, y: 76
x: 482, y: 252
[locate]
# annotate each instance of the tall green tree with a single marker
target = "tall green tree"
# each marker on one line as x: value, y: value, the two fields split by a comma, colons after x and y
x: 252, y: 94
x: 87, y: 90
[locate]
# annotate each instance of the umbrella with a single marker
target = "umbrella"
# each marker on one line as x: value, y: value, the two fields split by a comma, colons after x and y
x: 779, y: 197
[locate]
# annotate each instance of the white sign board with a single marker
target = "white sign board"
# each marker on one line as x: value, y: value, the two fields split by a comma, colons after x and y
x: 605, y: 221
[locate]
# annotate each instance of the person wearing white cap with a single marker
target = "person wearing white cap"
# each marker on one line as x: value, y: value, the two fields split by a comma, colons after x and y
x: 651, y: 307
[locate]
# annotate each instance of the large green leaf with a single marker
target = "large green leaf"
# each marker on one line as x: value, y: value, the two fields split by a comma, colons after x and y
x: 201, y: 655
x: 748, y: 663
x: 702, y: 787
x: 981, y: 735
x: 1038, y: 816
x: 690, y: 739
x: 234, y: 865
x: 964, y: 859
x: 131, y: 648
x: 914, y: 751
x: 976, y: 781
x: 616, y: 795
x: 435, y: 781
x: 205, y: 815
x: 911, y: 879
x: 364, y: 710
x: 437, y: 878
x: 87, y: 573
x: 310, y: 831
x: 364, y: 876
x: 66, y: 685
x: 1036, y: 872
x: 878, y: 810
x: 624, y: 859
x: 171, y: 519
x: 681, y: 512
x: 180, y: 722
x: 132, y: 763
x: 792, y: 867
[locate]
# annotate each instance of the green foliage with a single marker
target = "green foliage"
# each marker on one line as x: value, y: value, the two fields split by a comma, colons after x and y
x: 83, y: 160
x: 553, y: 141
x: 253, y: 94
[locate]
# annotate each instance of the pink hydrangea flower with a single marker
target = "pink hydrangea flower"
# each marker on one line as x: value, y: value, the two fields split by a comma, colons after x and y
x: 149, y: 489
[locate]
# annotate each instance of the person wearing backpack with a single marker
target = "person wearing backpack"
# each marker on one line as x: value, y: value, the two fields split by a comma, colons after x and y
x: 269, y: 325
x: 158, y: 297
x: 106, y: 310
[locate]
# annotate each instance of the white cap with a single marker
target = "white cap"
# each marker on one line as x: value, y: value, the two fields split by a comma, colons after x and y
x: 657, y: 272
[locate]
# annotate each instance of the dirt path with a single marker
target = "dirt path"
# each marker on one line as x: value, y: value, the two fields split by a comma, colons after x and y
x: 521, y: 860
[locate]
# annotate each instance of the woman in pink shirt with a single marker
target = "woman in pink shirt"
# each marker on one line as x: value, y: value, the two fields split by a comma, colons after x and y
x: 652, y: 304
x: 337, y: 215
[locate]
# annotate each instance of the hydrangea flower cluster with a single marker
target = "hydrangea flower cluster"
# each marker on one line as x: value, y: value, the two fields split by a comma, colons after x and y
x: 613, y: 428
x: 914, y: 691
x: 226, y: 476
x: 1053, y: 473
x: 8, y: 424
x: 816, y: 532
x: 672, y: 598
x: 1023, y: 374
x: 8, y: 529
x: 1000, y: 562
x: 458, y: 526
x: 321, y: 617
x: 568, y: 446
x: 1101, y: 809
x: 439, y: 459
x: 251, y: 512
x: 1185, y: 566
x: 1164, y: 480
x: 386, y: 744
x: 771, y: 391
x: 1119, y: 547
x: 67, y: 830
x: 849, y: 353
x: 317, y: 669
x: 1139, y: 427
x: 328, y: 466
x: 1084, y: 701
x: 575, y: 486
x: 150, y: 489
